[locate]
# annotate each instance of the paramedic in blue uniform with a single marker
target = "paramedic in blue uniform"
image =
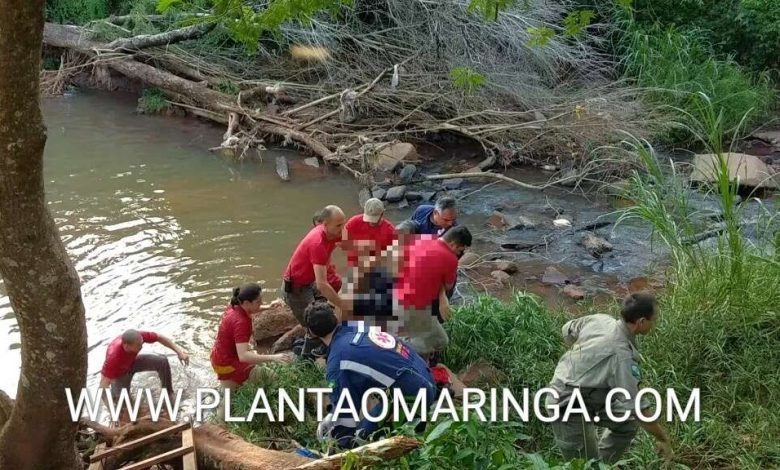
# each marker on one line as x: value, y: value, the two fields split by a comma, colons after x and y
x: 361, y: 358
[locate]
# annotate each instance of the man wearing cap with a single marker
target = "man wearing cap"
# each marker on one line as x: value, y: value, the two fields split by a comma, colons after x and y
x: 367, y: 234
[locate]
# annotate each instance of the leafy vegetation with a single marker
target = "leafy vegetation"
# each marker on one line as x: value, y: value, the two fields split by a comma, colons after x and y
x: 152, y: 101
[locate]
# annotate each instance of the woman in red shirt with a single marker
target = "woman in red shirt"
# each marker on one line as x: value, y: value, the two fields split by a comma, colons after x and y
x: 231, y: 357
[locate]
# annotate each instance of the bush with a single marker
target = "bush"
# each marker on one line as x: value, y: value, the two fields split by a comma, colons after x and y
x: 676, y: 69
x: 152, y: 101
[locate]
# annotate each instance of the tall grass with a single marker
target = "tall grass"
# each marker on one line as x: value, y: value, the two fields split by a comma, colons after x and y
x: 720, y: 323
x: 675, y: 67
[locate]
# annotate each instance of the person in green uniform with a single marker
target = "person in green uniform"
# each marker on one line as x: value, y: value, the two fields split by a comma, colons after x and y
x: 603, y: 355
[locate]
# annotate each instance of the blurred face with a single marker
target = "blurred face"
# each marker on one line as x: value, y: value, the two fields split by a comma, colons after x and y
x: 254, y: 306
x: 334, y: 225
x: 446, y: 218
x: 133, y: 347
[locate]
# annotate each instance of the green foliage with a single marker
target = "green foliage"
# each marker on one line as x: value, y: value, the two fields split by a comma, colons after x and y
x: 467, y: 79
x: 228, y: 87
x: 676, y: 69
x: 247, y: 25
x: 152, y: 101
x: 576, y: 21
x: 720, y: 319
x: 540, y: 36
x: 489, y: 9
x: 749, y: 30
x: 76, y: 11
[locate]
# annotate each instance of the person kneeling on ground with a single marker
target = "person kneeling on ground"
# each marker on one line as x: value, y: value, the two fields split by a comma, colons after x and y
x: 358, y: 361
x: 231, y: 357
x: 604, y: 356
x: 123, y: 361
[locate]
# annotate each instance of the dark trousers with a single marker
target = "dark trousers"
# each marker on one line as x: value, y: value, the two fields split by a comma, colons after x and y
x: 146, y: 363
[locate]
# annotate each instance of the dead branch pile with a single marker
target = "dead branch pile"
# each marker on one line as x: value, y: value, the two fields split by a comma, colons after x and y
x: 387, y: 76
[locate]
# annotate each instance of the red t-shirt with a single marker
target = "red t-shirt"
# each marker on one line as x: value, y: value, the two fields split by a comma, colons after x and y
x: 333, y: 278
x: 315, y: 248
x: 235, y: 327
x: 429, y: 264
x: 118, y: 361
x: 381, y: 234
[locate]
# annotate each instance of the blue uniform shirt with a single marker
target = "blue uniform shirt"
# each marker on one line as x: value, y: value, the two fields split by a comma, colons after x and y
x: 422, y: 215
x: 358, y: 360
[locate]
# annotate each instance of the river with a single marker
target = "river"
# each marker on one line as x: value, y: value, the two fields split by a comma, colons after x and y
x: 160, y: 230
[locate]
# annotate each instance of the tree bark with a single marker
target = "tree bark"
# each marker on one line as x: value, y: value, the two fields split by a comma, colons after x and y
x: 40, y: 280
x: 152, y: 40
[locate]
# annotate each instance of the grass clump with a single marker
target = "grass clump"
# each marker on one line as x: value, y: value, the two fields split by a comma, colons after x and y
x: 720, y: 323
x: 675, y: 68
x: 291, y: 378
x: 152, y: 101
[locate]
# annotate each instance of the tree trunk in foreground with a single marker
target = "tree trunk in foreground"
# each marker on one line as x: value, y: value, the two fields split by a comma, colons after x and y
x: 40, y: 281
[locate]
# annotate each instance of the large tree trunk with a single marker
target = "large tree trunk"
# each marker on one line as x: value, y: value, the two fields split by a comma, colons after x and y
x: 39, y: 278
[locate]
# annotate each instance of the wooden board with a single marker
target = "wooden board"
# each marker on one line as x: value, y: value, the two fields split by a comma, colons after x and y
x: 189, y: 460
x: 160, y: 458
x: 97, y: 465
x: 139, y: 442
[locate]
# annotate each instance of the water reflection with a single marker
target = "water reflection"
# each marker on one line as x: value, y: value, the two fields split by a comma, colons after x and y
x: 159, y: 229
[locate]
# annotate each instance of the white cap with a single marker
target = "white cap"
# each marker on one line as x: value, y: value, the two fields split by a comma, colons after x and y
x: 373, y: 210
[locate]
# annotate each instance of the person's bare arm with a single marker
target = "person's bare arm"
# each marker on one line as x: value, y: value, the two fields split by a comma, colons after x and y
x: 321, y: 281
x: 444, y: 304
x: 663, y: 443
x: 183, y: 355
x: 245, y: 354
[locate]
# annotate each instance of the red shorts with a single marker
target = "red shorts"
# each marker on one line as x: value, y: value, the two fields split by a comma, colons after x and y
x: 237, y: 372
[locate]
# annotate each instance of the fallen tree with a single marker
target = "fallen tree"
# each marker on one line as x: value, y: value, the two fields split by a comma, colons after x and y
x: 218, y: 449
x: 378, y: 87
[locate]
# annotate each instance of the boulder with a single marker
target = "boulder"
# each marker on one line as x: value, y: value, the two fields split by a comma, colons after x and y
x: 273, y: 323
x: 285, y: 342
x: 468, y: 259
x: 393, y: 156
x: 363, y: 196
x: 379, y: 193
x: 596, y: 246
x: 395, y: 194
x: 553, y: 276
x: 403, y: 204
x: 574, y: 292
x: 312, y: 162
x: 452, y: 183
x: 427, y: 196
x: 518, y: 222
x: 500, y: 276
x: 407, y: 173
x: 749, y: 170
x: 506, y: 266
x: 413, y: 196
x: 497, y: 220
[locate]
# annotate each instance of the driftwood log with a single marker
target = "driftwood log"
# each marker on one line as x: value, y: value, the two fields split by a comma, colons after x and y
x: 218, y: 449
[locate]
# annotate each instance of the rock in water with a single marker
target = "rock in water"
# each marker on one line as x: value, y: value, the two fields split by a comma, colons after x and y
x: 468, y: 259
x: 392, y: 156
x: 562, y: 223
x: 403, y: 204
x: 506, y: 266
x: 749, y: 170
x: 428, y: 196
x: 395, y: 194
x: 574, y: 292
x: 282, y: 168
x: 407, y: 173
x: 379, y: 193
x: 312, y: 161
x: 500, y: 276
x: 413, y: 196
x: 553, y: 276
x: 364, y: 196
x: 453, y: 183
x: 595, y: 245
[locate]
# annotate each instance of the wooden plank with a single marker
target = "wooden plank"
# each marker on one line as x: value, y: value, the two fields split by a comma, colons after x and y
x: 189, y: 460
x: 170, y: 455
x: 97, y: 465
x: 139, y: 442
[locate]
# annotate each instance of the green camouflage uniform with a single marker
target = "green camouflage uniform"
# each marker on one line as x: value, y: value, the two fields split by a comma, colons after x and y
x: 603, y: 356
